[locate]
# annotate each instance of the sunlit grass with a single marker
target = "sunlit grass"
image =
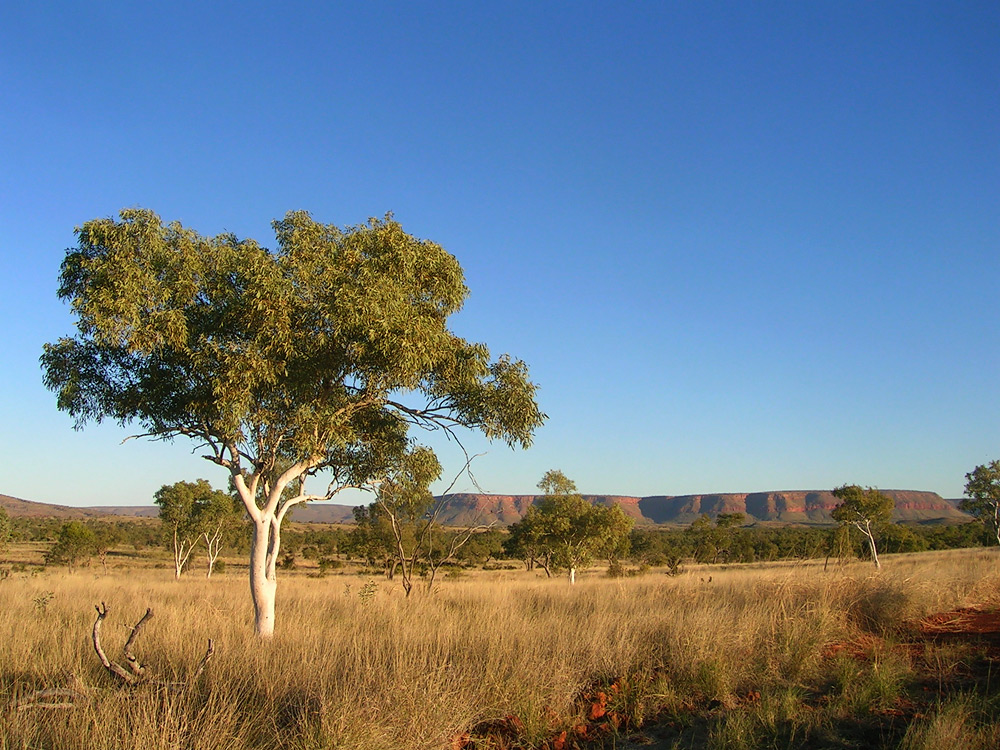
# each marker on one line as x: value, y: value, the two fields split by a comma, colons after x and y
x: 350, y: 671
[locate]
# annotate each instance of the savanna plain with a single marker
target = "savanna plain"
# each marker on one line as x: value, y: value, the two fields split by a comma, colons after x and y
x: 782, y: 655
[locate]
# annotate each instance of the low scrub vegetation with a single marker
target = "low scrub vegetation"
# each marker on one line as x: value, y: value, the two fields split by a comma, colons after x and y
x: 779, y: 655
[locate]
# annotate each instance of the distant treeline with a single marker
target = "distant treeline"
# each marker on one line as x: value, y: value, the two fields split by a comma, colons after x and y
x: 704, y: 541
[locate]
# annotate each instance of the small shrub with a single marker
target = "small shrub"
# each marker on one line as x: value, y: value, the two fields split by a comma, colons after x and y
x: 41, y: 601
x: 367, y: 592
x: 326, y: 564
x: 674, y: 565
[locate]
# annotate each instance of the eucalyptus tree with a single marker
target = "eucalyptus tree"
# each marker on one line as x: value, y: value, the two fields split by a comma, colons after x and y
x: 982, y: 490
x: 218, y: 518
x: 405, y: 502
x: 864, y: 509
x: 565, y: 530
x: 316, y: 357
x: 76, y: 542
x: 178, y: 504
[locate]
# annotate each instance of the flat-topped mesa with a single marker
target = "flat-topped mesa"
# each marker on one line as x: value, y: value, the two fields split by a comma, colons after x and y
x: 472, y: 509
x: 468, y: 509
x: 794, y: 506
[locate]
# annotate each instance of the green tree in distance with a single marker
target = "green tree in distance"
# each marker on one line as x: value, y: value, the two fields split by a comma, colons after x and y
x: 371, y: 539
x: 218, y: 517
x: 567, y: 529
x: 865, y: 510
x: 75, y: 542
x: 6, y: 528
x: 982, y: 488
x: 181, y: 507
x: 405, y: 501
x: 106, y: 536
x: 525, y: 541
x: 317, y: 356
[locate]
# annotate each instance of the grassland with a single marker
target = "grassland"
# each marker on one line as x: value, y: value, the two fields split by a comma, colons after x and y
x: 781, y: 656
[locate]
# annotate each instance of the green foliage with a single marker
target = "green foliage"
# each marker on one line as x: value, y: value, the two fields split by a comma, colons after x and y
x: 371, y: 538
x: 195, y: 507
x: 6, y: 528
x: 719, y: 542
x: 554, y: 482
x: 482, y: 547
x: 76, y: 542
x: 867, y: 510
x: 655, y: 546
x: 276, y: 357
x: 178, y: 502
x: 896, y: 538
x: 562, y: 529
x: 317, y: 356
x: 190, y: 510
x: 982, y: 489
x: 861, y: 507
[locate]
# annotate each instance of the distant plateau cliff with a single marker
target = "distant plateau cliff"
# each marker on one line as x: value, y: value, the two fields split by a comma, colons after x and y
x: 467, y: 509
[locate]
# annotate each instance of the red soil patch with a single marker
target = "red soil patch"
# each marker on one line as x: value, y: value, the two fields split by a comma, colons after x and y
x: 969, y: 621
x: 970, y: 625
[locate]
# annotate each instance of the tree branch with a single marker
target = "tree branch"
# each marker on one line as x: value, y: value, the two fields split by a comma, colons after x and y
x: 130, y: 659
x: 114, y: 669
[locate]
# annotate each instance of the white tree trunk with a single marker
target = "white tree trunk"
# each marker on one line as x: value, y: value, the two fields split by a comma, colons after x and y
x: 266, y: 541
x: 871, y: 544
x: 182, y: 551
x: 262, y: 585
x: 214, y: 546
x: 572, y: 575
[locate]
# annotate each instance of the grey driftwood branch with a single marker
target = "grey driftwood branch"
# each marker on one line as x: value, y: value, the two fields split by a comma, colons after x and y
x: 71, y: 697
x: 138, y: 671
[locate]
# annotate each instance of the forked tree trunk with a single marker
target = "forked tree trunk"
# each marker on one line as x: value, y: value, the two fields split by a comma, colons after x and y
x: 871, y: 544
x: 213, y: 544
x: 182, y: 551
x: 266, y: 542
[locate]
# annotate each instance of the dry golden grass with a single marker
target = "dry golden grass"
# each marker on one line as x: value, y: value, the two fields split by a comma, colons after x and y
x: 348, y: 670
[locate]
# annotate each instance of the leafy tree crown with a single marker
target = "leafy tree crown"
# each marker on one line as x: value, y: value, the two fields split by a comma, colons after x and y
x: 322, y: 352
x: 861, y: 506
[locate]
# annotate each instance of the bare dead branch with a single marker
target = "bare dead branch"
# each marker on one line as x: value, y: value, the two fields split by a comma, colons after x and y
x: 138, y: 675
x: 130, y: 659
x: 72, y: 697
x: 114, y: 669
x: 204, y: 662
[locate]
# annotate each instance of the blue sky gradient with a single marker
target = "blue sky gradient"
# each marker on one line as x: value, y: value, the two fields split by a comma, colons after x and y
x: 741, y: 246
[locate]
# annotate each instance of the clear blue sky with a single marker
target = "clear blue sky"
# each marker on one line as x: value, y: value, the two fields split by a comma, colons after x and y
x: 742, y: 246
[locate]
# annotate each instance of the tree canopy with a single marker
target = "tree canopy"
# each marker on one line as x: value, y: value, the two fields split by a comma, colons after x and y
x: 563, y: 529
x: 865, y: 509
x: 319, y: 355
x: 982, y: 489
